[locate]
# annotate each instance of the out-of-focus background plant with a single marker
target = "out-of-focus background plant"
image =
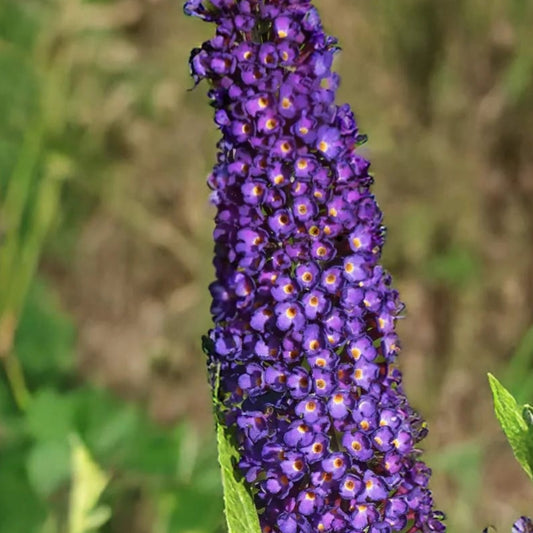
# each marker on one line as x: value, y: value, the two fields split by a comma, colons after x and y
x: 105, y: 248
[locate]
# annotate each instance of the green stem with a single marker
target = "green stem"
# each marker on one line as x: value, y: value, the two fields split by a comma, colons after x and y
x: 16, y: 380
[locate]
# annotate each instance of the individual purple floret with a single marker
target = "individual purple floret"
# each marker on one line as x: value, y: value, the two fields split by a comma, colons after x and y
x: 304, y: 342
x: 523, y: 525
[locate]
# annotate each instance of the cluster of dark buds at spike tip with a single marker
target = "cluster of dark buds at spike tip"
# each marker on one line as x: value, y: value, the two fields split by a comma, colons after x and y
x: 304, y: 341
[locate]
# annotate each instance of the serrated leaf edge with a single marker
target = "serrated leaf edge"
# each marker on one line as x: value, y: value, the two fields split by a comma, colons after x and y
x: 249, y: 522
x: 499, y: 392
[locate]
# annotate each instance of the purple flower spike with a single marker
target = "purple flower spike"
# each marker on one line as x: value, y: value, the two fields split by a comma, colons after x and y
x: 304, y: 343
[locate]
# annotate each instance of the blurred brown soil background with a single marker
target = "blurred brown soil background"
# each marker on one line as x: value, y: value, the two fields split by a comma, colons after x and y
x: 444, y: 91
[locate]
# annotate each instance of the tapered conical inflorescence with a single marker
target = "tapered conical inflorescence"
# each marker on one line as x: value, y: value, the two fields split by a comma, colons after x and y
x: 304, y: 340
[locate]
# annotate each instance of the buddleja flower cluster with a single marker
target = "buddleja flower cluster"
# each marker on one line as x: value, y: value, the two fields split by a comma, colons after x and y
x: 304, y: 339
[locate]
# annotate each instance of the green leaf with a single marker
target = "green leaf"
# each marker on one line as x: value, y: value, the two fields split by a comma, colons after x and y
x: 98, y: 517
x: 517, y: 78
x: 241, y: 514
x: 88, y: 484
x: 113, y: 430
x: 45, y: 336
x: 517, y: 374
x: 48, y: 466
x: 21, y: 509
x: 19, y: 93
x: 18, y: 24
x: 456, y: 266
x: 50, y: 415
x: 514, y: 424
x: 187, y: 518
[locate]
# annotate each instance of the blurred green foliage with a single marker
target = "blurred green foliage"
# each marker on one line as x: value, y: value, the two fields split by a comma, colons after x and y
x: 51, y: 421
x: 104, y: 249
x: 518, y: 372
x: 173, y: 469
